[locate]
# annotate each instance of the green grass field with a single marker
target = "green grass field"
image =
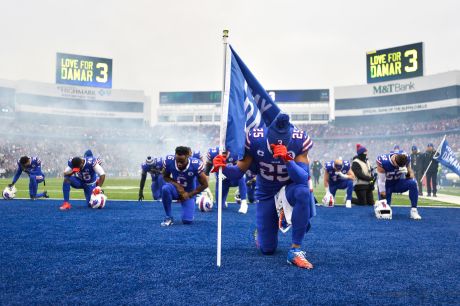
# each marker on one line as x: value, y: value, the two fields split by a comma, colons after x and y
x: 128, y: 189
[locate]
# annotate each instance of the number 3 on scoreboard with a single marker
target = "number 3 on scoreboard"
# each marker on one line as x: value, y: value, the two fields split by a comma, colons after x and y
x: 412, y: 53
x: 102, y: 78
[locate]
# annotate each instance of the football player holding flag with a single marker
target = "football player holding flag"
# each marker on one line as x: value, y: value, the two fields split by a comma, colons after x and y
x: 180, y: 173
x: 394, y: 175
x: 82, y: 173
x: 279, y: 156
x: 33, y: 167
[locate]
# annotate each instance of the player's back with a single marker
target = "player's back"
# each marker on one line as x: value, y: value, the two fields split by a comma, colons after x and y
x: 35, y: 165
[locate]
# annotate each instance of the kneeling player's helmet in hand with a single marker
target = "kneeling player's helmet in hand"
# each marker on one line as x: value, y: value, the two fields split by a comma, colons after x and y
x: 98, y: 201
x: 328, y: 200
x: 9, y: 193
x: 204, y: 203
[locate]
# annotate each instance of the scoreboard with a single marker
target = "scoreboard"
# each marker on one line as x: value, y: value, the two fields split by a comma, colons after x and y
x: 395, y: 63
x: 82, y: 70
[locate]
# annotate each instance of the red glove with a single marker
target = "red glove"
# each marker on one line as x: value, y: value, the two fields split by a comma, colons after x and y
x: 219, y: 161
x: 280, y: 151
x: 75, y: 170
x: 97, y: 190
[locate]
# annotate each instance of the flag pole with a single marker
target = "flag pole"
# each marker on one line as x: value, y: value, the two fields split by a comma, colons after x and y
x: 224, y: 106
x: 439, y: 147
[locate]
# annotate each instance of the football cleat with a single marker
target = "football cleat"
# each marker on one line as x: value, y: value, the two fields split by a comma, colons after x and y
x: 348, y: 204
x: 45, y: 194
x: 243, y: 207
x: 414, y: 214
x: 65, y: 206
x: 297, y: 258
x: 168, y: 221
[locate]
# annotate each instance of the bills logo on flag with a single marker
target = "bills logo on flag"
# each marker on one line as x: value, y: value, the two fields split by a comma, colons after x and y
x: 446, y: 156
x: 246, y: 104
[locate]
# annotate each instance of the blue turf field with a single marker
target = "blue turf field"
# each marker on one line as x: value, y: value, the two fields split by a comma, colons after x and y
x: 121, y: 255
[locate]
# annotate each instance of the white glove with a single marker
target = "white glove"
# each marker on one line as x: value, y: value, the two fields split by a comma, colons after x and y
x: 344, y: 176
x: 403, y: 170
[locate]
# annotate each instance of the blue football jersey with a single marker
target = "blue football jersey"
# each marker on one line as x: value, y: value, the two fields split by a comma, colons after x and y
x: 272, y: 173
x: 232, y: 159
x: 391, y: 171
x: 87, y: 173
x: 154, y: 168
x: 33, y: 168
x: 186, y: 177
x: 197, y: 155
x: 333, y: 173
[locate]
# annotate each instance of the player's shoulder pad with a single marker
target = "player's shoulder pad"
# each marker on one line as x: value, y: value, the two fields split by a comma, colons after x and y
x: 302, y: 136
x: 94, y: 161
x: 197, y: 164
x: 381, y: 158
x: 169, y: 160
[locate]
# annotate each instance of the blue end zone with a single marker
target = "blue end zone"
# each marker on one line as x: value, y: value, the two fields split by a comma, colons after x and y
x: 121, y: 255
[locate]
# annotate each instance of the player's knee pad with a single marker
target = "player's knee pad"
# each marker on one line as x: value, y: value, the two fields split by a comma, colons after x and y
x: 412, y: 183
x: 167, y: 188
x: 302, y: 195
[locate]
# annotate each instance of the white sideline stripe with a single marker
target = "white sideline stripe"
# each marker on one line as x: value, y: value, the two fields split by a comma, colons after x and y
x: 234, y: 203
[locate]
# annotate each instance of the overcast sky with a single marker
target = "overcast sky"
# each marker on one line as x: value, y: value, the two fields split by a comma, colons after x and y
x: 176, y: 45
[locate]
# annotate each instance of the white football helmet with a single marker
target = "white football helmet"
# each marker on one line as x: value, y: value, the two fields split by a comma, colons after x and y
x: 208, y: 192
x: 204, y: 203
x: 383, y: 210
x: 328, y: 200
x: 284, y: 210
x: 98, y: 201
x: 9, y: 193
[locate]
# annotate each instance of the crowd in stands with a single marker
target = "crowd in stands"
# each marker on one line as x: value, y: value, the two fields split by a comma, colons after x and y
x: 123, y: 149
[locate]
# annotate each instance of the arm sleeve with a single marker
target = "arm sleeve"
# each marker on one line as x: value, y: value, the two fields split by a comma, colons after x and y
x: 17, y: 175
x: 98, y: 169
x: 233, y: 172
x: 143, y: 178
x: 207, y: 169
x: 356, y: 168
x: 298, y: 172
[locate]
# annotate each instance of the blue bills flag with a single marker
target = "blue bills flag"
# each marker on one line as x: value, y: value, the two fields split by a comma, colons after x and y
x: 246, y: 104
x: 446, y: 156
